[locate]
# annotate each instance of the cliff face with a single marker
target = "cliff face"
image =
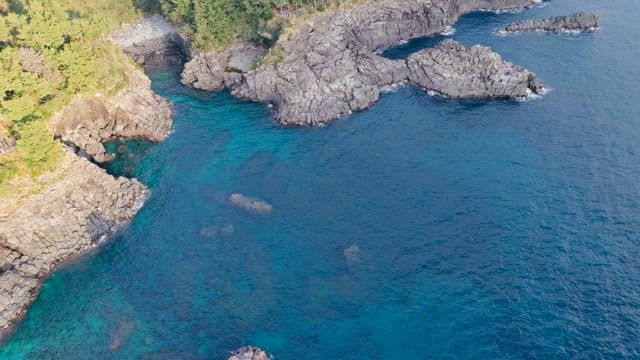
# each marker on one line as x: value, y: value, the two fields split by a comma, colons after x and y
x: 329, y: 68
x: 136, y: 112
x: 79, y: 205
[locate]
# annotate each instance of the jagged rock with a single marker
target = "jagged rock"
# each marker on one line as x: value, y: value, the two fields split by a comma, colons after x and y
x: 250, y: 204
x: 582, y: 21
x: 80, y: 205
x: 478, y: 72
x: 213, y: 70
x: 249, y: 353
x: 329, y: 67
x: 152, y: 41
x: 134, y: 112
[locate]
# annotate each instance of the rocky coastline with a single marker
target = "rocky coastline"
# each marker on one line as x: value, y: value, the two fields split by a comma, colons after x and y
x: 326, y: 69
x: 583, y: 21
x: 330, y: 68
x: 74, y: 208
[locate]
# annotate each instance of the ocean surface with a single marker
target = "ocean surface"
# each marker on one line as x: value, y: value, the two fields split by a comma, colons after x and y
x: 422, y: 228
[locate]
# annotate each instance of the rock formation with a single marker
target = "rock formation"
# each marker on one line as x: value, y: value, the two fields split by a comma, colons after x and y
x: 214, y: 70
x: 249, y: 353
x: 329, y: 68
x: 78, y: 206
x: 451, y: 70
x: 582, y: 21
x: 152, y: 41
x: 135, y: 112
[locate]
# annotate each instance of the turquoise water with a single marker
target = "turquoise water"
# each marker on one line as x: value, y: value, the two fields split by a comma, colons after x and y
x: 486, y: 230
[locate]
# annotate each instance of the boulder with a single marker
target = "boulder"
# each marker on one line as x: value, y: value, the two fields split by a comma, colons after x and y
x: 249, y: 353
x: 454, y: 71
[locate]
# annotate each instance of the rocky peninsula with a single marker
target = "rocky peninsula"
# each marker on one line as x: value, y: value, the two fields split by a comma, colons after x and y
x: 583, y: 21
x: 329, y: 68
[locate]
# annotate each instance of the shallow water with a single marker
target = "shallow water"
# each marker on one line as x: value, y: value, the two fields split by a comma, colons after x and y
x: 421, y: 228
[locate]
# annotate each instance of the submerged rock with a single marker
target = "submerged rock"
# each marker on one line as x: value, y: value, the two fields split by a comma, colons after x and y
x: 582, y: 21
x: 352, y: 253
x: 250, y: 204
x: 249, y: 353
x: 454, y: 71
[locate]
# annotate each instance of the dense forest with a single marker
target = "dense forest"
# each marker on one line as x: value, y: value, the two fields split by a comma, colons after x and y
x: 215, y: 23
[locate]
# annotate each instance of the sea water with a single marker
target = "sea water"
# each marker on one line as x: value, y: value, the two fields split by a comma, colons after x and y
x: 422, y: 228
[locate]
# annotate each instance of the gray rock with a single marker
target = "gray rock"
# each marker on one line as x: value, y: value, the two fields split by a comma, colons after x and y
x: 478, y: 72
x: 582, y: 21
x: 152, y: 41
x: 72, y: 214
x: 134, y: 112
x: 329, y: 68
x: 213, y: 70
x: 249, y: 353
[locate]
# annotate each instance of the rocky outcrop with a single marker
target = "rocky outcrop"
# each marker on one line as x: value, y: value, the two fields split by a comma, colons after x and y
x: 583, y: 21
x: 453, y: 71
x: 78, y: 206
x: 152, y: 41
x: 329, y: 68
x: 249, y: 353
x: 214, y: 70
x: 134, y: 112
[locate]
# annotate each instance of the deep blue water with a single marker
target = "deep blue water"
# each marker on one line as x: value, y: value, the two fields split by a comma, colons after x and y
x: 486, y: 230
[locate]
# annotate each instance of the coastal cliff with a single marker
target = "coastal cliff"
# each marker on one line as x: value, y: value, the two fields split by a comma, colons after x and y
x: 135, y: 112
x: 68, y: 211
x: 79, y: 205
x: 329, y: 67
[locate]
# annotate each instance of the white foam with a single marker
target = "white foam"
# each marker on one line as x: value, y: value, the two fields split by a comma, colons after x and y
x: 448, y: 31
x: 392, y: 88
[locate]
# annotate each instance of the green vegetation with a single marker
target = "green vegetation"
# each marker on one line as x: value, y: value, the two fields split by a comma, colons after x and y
x: 50, y: 52
x: 215, y: 23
